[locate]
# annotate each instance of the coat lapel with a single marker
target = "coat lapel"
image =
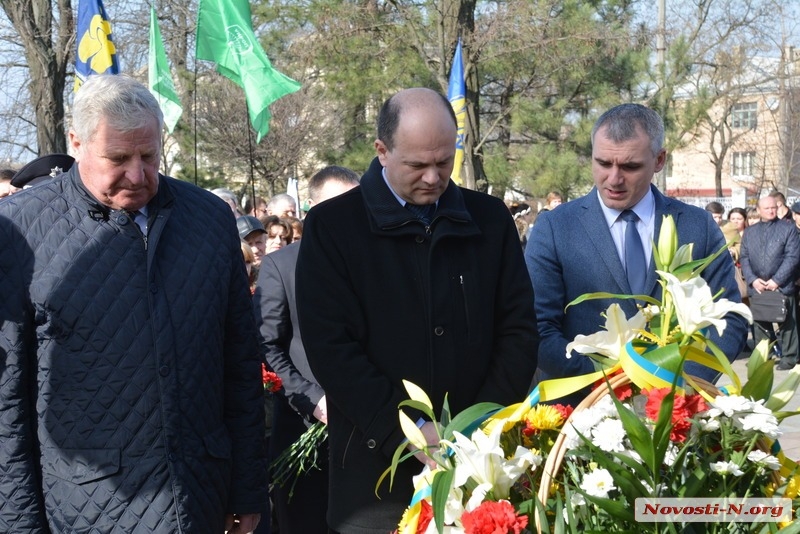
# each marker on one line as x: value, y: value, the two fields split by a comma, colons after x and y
x: 594, y: 222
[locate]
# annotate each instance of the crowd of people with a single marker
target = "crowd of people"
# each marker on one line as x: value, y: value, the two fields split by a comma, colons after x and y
x: 137, y: 311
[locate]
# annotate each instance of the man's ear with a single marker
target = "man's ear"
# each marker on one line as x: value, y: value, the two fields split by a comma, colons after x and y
x: 75, y: 145
x: 382, y: 150
x: 661, y: 160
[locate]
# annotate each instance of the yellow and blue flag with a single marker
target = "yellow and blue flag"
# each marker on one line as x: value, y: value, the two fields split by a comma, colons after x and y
x: 457, y: 95
x: 96, y: 51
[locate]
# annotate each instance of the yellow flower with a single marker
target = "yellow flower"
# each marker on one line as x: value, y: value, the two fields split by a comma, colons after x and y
x: 544, y: 417
x: 792, y: 487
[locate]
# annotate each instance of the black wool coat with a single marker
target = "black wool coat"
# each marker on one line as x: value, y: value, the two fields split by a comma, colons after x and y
x: 381, y: 299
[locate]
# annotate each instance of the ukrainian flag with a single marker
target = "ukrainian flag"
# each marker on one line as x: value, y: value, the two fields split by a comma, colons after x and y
x: 96, y: 51
x: 457, y: 95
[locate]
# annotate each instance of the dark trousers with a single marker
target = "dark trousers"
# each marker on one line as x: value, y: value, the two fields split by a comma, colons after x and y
x: 304, y: 512
x: 787, y: 331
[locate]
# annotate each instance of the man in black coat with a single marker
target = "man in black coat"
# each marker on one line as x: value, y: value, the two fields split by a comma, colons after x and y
x: 301, y: 401
x: 408, y: 277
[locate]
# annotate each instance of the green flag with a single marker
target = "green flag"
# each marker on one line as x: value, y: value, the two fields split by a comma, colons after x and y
x: 160, y: 79
x: 225, y: 36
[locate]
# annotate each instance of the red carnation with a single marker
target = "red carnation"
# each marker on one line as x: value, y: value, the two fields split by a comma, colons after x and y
x: 683, y: 409
x: 272, y: 382
x: 493, y: 518
x: 425, y: 516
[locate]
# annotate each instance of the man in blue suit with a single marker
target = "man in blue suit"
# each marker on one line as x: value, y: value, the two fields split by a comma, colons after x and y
x: 580, y: 247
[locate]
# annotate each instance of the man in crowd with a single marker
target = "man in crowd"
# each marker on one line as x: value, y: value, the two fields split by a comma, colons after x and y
x: 717, y: 211
x: 408, y: 277
x: 796, y: 216
x: 783, y: 213
x: 282, y: 206
x: 301, y: 402
x: 769, y: 257
x: 130, y: 380
x: 252, y: 232
x: 581, y: 247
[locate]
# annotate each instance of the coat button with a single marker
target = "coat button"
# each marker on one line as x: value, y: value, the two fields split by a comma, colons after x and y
x: 371, y: 443
x: 122, y: 220
x: 153, y: 287
x: 420, y: 239
x: 163, y: 370
x: 439, y: 330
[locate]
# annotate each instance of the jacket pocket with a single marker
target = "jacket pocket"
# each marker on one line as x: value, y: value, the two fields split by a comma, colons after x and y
x: 81, y: 466
x: 218, y: 444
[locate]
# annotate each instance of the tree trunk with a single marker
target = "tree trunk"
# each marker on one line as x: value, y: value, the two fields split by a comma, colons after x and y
x: 47, y: 55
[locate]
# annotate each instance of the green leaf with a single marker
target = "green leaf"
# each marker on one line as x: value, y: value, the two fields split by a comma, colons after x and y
x: 759, y: 385
x: 785, y: 390
x: 397, y: 459
x: 467, y: 418
x: 417, y: 405
x: 440, y: 490
x: 603, y: 295
x: 613, y: 508
x: 758, y: 357
x: 638, y: 434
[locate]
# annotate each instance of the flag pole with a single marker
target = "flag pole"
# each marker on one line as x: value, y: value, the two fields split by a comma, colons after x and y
x: 250, y: 147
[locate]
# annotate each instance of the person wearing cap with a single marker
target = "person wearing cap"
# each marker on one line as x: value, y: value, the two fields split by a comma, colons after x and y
x: 130, y: 373
x: 42, y: 169
x: 796, y: 215
x: 252, y: 232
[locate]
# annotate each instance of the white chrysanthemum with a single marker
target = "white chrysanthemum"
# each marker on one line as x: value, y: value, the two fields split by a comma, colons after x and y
x: 709, y: 425
x: 726, y: 468
x: 598, y: 483
x: 761, y: 422
x: 729, y: 406
x: 762, y: 458
x: 609, y: 435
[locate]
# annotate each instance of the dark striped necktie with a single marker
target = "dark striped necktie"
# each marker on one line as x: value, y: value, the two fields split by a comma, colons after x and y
x: 423, y: 212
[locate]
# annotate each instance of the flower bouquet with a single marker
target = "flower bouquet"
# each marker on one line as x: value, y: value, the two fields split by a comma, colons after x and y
x: 648, y: 430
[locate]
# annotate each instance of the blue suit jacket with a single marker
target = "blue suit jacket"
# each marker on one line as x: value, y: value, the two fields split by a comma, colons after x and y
x: 570, y: 252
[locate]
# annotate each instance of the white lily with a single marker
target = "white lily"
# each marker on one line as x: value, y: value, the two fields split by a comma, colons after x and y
x: 695, y: 306
x: 619, y: 330
x: 482, y: 460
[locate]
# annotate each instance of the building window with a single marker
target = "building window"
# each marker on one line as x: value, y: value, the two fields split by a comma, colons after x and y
x: 744, y: 115
x: 744, y: 163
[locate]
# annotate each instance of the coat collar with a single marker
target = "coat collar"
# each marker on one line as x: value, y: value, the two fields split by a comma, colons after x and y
x: 163, y: 199
x: 386, y: 213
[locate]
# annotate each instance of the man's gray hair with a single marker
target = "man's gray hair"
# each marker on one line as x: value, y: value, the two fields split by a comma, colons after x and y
x: 279, y: 198
x: 125, y: 103
x: 621, y: 125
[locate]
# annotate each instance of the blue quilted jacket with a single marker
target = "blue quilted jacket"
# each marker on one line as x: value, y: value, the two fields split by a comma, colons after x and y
x: 771, y: 250
x: 130, y: 390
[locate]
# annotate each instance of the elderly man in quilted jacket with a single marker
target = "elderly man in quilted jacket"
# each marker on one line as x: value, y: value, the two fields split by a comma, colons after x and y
x: 770, y: 255
x: 130, y: 389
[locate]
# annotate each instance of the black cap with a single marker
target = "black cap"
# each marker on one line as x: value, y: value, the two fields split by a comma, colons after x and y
x: 247, y: 224
x: 41, y: 169
x: 796, y: 207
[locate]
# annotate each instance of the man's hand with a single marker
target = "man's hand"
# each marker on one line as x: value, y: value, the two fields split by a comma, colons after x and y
x: 772, y: 285
x: 321, y: 410
x: 432, y: 438
x: 241, y: 524
x: 760, y: 285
